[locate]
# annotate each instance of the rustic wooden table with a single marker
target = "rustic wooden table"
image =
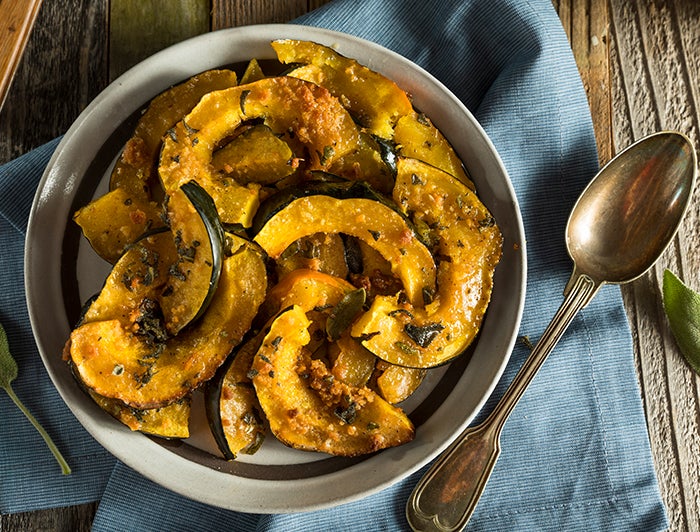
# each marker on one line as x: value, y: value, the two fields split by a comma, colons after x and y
x: 640, y: 62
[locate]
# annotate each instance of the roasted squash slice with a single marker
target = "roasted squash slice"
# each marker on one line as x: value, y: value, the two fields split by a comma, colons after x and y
x: 233, y: 411
x: 255, y: 156
x: 199, y: 238
x: 170, y: 422
x: 113, y: 221
x: 115, y: 361
x: 253, y: 72
x: 469, y: 245
x: 396, y: 383
x: 307, y: 409
x: 416, y: 137
x: 375, y: 100
x: 134, y: 171
x: 371, y: 221
x: 317, y: 120
x: 139, y: 275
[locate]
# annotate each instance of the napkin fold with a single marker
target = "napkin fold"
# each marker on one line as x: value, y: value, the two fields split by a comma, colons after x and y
x: 575, y: 451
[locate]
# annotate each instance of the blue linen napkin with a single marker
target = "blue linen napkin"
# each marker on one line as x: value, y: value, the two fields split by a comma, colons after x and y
x: 575, y: 452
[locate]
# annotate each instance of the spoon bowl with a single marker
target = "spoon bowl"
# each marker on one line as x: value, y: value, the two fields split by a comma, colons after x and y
x: 619, y: 227
x: 625, y: 218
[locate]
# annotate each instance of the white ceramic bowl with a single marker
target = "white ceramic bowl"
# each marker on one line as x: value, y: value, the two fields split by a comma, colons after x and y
x: 61, y: 271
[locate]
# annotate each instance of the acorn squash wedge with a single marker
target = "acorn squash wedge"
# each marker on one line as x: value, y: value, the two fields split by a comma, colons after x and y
x: 375, y: 100
x: 469, y: 247
x: 308, y: 409
x: 416, y: 137
x: 257, y: 155
x: 233, y: 411
x: 199, y: 238
x: 146, y: 372
x: 371, y: 221
x: 138, y: 276
x: 113, y: 221
x: 135, y: 169
x: 316, y: 119
x: 169, y: 422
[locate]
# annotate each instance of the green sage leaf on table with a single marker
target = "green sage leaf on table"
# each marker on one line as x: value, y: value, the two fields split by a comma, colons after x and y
x: 8, y: 373
x: 682, y: 306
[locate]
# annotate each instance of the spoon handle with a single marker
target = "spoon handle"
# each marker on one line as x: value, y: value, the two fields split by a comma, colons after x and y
x: 445, y: 498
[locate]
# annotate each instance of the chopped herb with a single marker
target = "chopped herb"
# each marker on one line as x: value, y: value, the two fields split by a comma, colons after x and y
x: 176, y: 158
x: 398, y: 311
x: 275, y: 343
x: 195, y: 141
x: 408, y: 349
x: 252, y: 373
x: 527, y: 342
x: 347, y: 415
x: 372, y: 425
x: 487, y: 222
x: 324, y: 158
x: 271, y: 373
x: 345, y: 312
x: 375, y: 234
x: 368, y: 336
x: 264, y: 358
x: 428, y: 295
x: 415, y: 180
x: 423, y: 335
x: 172, y: 135
x: 190, y: 130
x: 177, y: 273
x: 118, y: 370
x: 128, y: 201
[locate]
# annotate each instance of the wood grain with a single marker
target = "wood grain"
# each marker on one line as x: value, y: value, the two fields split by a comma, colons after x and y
x: 63, y: 68
x: 655, y: 57
x: 16, y: 21
x: 140, y: 28
x: 586, y: 24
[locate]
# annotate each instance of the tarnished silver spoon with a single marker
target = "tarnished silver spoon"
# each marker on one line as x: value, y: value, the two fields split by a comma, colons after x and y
x: 618, y: 228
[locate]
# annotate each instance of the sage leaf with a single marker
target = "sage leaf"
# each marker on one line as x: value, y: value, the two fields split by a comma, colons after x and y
x: 8, y: 373
x: 682, y: 306
x: 344, y: 313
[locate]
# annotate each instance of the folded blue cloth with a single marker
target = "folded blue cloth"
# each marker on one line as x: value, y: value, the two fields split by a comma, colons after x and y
x: 575, y: 452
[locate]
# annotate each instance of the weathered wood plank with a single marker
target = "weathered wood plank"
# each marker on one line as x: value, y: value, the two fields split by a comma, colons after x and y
x: 16, y: 21
x: 140, y: 28
x: 63, y: 68
x: 655, y: 69
x: 586, y: 24
x: 73, y: 518
x: 231, y: 13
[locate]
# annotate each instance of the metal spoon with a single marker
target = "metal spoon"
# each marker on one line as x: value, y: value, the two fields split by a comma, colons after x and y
x: 619, y: 227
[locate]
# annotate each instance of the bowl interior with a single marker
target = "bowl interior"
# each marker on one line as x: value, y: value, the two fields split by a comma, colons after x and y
x: 61, y: 272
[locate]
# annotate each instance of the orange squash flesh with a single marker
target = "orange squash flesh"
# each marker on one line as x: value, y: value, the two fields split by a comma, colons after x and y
x: 470, y: 243
x: 115, y: 362
x: 370, y: 221
x: 310, y: 411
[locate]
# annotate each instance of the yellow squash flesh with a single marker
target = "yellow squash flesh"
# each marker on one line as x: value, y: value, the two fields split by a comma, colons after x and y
x: 307, y: 409
x: 469, y: 243
x: 376, y: 100
x: 113, y: 221
x: 372, y: 222
x: 115, y: 362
